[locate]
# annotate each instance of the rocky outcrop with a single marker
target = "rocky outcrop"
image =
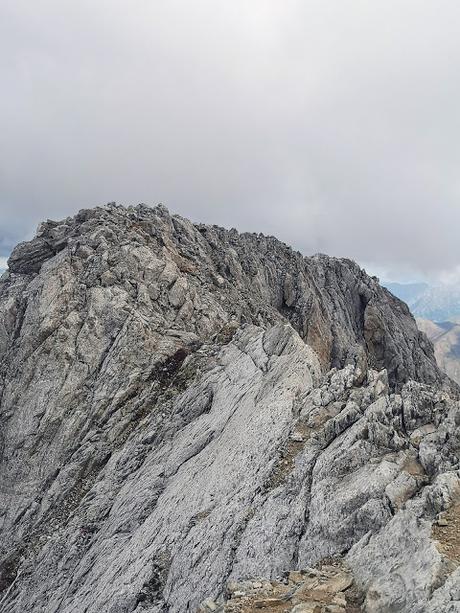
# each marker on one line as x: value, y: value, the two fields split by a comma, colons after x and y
x: 184, y: 406
x: 327, y: 589
x: 199, y: 277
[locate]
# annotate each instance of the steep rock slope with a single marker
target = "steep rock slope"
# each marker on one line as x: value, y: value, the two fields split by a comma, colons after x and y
x: 170, y: 421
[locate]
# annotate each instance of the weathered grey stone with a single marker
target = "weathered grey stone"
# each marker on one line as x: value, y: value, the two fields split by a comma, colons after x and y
x: 183, y: 406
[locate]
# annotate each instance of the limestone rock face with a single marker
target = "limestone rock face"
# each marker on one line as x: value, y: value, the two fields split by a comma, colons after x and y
x: 183, y: 408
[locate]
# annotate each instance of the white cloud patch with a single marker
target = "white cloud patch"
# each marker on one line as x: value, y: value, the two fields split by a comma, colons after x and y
x: 333, y: 125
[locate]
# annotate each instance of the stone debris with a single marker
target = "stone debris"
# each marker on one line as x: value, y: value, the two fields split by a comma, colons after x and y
x: 328, y: 589
x: 446, y: 532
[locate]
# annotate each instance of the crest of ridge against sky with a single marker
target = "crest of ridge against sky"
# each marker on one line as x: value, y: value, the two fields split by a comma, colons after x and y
x: 333, y: 125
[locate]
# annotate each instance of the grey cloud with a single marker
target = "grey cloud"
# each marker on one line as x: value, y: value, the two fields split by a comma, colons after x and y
x: 333, y: 125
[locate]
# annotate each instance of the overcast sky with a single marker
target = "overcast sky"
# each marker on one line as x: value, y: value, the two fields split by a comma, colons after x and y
x: 333, y: 125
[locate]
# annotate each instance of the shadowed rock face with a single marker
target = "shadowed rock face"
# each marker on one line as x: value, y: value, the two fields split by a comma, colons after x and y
x: 170, y: 419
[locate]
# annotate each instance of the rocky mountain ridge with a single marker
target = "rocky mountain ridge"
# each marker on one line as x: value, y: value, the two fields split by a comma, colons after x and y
x: 184, y: 406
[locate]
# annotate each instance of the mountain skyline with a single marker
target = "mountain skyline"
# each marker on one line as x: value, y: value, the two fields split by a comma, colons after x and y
x: 402, y: 285
x: 405, y: 287
x: 229, y: 306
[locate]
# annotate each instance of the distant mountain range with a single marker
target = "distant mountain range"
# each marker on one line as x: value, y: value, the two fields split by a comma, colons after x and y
x: 437, y: 303
x: 409, y: 292
x: 437, y: 311
x: 445, y: 337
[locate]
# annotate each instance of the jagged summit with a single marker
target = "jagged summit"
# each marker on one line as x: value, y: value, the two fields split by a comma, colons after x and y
x: 334, y: 306
x: 193, y: 418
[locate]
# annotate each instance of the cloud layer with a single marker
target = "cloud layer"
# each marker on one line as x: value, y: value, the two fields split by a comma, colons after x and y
x: 332, y: 124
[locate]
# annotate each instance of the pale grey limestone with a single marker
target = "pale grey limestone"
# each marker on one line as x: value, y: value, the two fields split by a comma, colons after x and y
x: 183, y: 405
